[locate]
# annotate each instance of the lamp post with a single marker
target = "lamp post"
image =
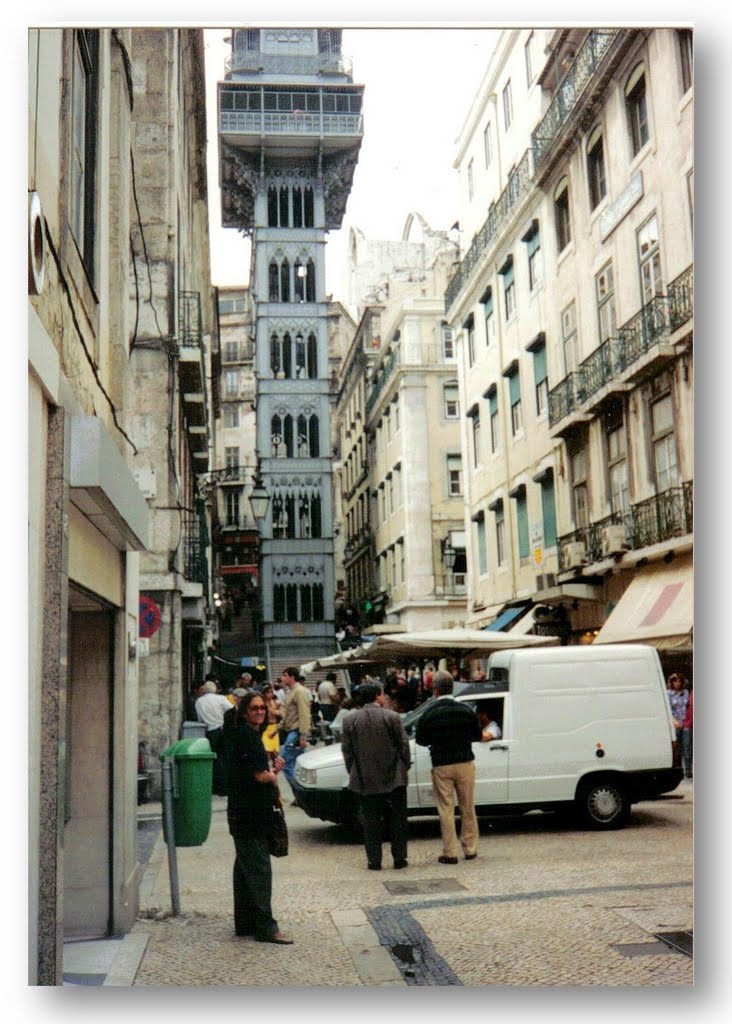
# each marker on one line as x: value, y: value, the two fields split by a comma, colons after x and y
x: 259, y: 502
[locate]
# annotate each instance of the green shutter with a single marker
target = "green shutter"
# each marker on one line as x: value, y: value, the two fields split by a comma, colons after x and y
x: 522, y: 524
x: 514, y: 388
x: 548, y: 512
x: 540, y: 365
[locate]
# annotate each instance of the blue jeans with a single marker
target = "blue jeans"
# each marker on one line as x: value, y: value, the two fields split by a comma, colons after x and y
x: 290, y: 751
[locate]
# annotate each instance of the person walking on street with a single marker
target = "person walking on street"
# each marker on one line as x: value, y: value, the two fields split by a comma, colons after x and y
x: 328, y: 699
x: 210, y: 709
x: 376, y: 753
x: 296, y: 720
x: 252, y: 790
x: 687, y: 737
x: 449, y: 729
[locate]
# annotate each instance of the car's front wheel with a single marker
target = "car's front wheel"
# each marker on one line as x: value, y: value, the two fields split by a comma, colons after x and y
x: 603, y: 804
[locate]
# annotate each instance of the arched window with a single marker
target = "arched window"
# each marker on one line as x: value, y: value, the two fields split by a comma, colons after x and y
x: 314, y: 437
x: 309, y: 208
x: 274, y: 282
x: 310, y: 282
x: 287, y: 356
x: 284, y: 207
x: 297, y: 210
x: 636, y: 106
x: 275, y: 355
x: 300, y: 272
x: 285, y: 281
x: 312, y: 356
x: 272, y: 208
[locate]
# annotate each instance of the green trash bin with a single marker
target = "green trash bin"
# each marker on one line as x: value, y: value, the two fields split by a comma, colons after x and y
x: 192, y: 771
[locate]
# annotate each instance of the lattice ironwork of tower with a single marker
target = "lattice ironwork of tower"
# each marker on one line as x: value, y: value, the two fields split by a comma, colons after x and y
x: 290, y: 126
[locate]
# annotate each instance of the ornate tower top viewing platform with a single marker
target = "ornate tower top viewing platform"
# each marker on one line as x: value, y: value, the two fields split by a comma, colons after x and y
x: 288, y: 102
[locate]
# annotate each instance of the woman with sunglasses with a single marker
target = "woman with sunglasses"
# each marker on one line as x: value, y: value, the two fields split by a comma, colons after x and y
x: 252, y: 796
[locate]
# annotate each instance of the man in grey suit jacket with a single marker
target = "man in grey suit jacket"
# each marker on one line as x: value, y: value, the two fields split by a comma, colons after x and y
x: 376, y: 751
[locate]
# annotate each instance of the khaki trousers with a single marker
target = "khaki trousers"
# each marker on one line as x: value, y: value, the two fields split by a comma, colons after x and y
x: 449, y: 781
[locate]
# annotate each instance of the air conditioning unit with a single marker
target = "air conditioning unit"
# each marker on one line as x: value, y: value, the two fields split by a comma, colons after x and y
x: 614, y: 540
x: 575, y: 555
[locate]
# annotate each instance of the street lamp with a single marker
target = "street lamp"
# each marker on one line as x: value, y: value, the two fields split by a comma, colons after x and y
x: 259, y: 499
x: 448, y: 554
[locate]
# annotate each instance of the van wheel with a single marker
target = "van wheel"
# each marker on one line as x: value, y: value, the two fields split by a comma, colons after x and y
x: 603, y: 805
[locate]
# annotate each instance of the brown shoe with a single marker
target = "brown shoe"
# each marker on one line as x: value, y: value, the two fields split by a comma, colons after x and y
x: 470, y: 856
x: 447, y: 860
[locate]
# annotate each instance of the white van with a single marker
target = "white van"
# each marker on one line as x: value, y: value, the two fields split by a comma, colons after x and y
x: 583, y: 728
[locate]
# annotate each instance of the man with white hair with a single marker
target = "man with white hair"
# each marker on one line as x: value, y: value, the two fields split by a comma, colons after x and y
x: 211, y: 707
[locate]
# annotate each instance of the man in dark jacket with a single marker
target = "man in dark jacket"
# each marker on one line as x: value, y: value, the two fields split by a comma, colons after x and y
x: 449, y: 729
x: 376, y: 751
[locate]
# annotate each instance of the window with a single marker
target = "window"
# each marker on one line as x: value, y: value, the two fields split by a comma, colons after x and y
x: 487, y: 145
x: 233, y: 499
x: 454, y: 475
x: 541, y: 382
x: 231, y: 415
x: 649, y: 258
x: 580, y: 502
x: 400, y: 559
x: 561, y: 215
x: 390, y: 485
x: 532, y: 239
x: 637, y: 109
x: 500, y: 534
x: 387, y: 425
x: 569, y: 337
x: 617, y: 451
x: 448, y: 342
x: 83, y: 160
x: 522, y: 522
x: 475, y: 416
x: 514, y: 397
x: 685, y: 39
x: 470, y: 180
x: 664, y: 444
x: 509, y: 288
x: 231, y: 456
x: 528, y: 46
x: 397, y: 423
x: 231, y: 384
x: 605, y: 296
x: 492, y: 396
x: 469, y: 328
x: 596, y: 168
x: 490, y: 323
x: 451, y: 400
x: 480, y: 542
x: 507, y: 105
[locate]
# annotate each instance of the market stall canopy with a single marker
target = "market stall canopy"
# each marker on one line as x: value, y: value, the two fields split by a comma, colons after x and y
x: 443, y: 643
x: 657, y: 607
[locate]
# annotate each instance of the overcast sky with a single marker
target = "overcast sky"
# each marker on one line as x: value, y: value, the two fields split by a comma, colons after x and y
x: 419, y: 84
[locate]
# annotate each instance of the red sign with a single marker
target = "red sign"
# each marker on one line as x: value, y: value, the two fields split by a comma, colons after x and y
x: 149, y: 616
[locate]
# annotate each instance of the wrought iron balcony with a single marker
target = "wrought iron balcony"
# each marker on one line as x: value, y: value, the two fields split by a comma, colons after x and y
x: 571, y: 91
x: 649, y: 327
x: 195, y: 568
x: 566, y: 397
x: 681, y: 299
x: 451, y: 584
x: 516, y: 187
x: 383, y: 376
x: 190, y: 332
x: 662, y: 517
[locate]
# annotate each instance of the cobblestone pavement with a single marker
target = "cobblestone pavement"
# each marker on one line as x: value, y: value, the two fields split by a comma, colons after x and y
x: 541, y: 905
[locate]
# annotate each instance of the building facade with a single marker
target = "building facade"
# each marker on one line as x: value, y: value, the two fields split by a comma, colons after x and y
x: 118, y: 430
x: 399, y: 424
x: 573, y: 306
x: 290, y: 128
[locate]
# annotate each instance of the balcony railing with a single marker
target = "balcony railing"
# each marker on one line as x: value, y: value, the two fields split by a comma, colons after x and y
x: 383, y: 377
x: 289, y: 64
x: 195, y: 562
x: 516, y: 188
x: 660, y: 518
x: 566, y: 397
x: 571, y: 89
x: 451, y: 584
x: 257, y: 122
x: 651, y: 326
x: 681, y: 299
x: 190, y: 332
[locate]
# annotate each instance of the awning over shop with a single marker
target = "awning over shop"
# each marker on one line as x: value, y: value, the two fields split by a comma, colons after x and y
x: 507, y: 616
x: 525, y: 624
x: 657, y: 607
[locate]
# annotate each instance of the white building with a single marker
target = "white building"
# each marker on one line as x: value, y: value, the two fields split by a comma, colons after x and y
x: 573, y: 300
